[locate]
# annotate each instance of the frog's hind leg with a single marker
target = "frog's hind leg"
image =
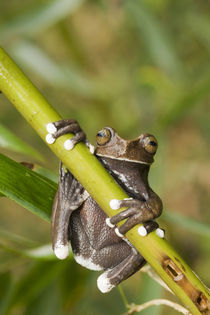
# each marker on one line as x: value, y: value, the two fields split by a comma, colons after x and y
x: 112, y: 277
x: 69, y: 197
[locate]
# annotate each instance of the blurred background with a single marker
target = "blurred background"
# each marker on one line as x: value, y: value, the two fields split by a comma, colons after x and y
x: 138, y: 66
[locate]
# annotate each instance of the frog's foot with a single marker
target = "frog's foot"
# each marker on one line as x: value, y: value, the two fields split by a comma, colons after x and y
x: 112, y: 277
x: 150, y: 226
x: 65, y: 126
x: 71, y: 194
x: 137, y: 212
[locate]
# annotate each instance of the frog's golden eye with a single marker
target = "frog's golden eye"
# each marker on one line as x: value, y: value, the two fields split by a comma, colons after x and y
x: 103, y: 136
x: 150, y: 144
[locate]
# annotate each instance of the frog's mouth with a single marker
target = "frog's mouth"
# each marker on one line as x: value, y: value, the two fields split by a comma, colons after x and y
x: 122, y: 159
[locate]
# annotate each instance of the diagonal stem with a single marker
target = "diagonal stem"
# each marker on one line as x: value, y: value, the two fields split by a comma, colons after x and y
x: 101, y: 186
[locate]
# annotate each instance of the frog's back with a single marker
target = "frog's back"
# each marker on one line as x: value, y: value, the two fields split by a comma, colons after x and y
x: 93, y: 240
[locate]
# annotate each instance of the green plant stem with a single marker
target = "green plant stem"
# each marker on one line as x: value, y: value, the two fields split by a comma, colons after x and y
x: 122, y: 294
x: 101, y: 186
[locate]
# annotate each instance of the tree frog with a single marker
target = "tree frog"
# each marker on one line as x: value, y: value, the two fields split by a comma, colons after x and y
x: 96, y: 241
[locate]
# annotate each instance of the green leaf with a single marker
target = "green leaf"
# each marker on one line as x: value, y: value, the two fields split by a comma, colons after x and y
x: 186, y: 222
x: 199, y: 24
x: 66, y: 276
x: 194, y: 96
x: 17, y: 244
x: 31, y: 190
x: 5, y: 291
x: 73, y: 282
x: 35, y: 280
x: 16, y: 239
x: 64, y: 76
x: 9, y: 141
x: 46, y: 173
x: 42, y: 171
x: 38, y: 18
x: 47, y: 302
x: 150, y: 290
x: 43, y: 252
x: 155, y: 36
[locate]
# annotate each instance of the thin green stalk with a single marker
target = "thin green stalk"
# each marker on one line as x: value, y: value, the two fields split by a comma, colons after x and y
x: 122, y: 294
x: 101, y: 186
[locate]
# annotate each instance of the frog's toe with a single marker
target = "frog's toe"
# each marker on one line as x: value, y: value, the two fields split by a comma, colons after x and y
x: 160, y: 232
x: 123, y: 215
x: 51, y: 128
x: 90, y: 146
x: 142, y: 231
x: 61, y: 251
x: 109, y: 223
x: 103, y: 283
x: 148, y: 227
x: 69, y: 144
x: 49, y: 138
x: 117, y: 232
x: 116, y: 204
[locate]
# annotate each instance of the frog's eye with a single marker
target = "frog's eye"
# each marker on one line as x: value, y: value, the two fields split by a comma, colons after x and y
x: 103, y: 136
x: 150, y: 144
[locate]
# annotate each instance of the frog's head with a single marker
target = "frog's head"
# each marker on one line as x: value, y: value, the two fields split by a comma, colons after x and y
x: 140, y: 150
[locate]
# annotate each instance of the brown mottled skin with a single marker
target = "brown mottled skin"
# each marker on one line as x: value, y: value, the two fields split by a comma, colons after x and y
x: 91, y: 238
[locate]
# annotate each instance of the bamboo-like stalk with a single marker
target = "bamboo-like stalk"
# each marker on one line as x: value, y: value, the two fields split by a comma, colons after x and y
x: 101, y: 186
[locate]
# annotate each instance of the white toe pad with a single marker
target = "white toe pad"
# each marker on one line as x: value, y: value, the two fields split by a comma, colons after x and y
x: 51, y: 128
x: 91, y: 148
x: 115, y: 204
x: 104, y: 284
x: 142, y: 231
x: 118, y: 232
x: 109, y: 223
x: 68, y: 144
x: 160, y: 233
x: 61, y: 252
x: 49, y: 138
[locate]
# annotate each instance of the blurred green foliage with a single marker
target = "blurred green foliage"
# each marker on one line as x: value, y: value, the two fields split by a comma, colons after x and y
x: 138, y: 66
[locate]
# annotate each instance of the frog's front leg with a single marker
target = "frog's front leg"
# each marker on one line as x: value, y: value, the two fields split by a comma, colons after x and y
x: 69, y: 197
x: 137, y: 212
x: 65, y: 126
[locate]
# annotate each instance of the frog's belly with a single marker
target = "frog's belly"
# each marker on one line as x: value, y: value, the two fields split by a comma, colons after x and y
x: 95, y: 245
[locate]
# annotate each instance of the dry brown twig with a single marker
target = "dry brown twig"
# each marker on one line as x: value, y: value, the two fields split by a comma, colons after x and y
x: 138, y: 308
x: 147, y: 269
